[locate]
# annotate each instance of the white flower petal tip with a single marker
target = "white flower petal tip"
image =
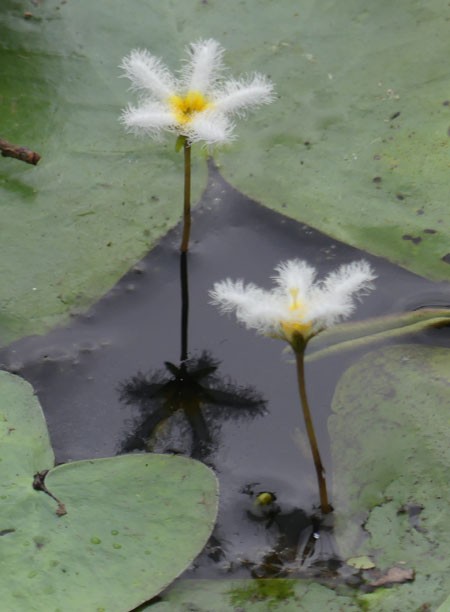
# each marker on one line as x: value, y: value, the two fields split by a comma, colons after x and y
x: 204, y: 66
x: 151, y: 119
x: 239, y: 97
x: 199, y: 104
x: 147, y: 72
x: 297, y: 308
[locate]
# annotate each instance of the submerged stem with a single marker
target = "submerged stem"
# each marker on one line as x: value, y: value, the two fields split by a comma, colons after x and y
x: 324, y: 503
x: 187, y: 198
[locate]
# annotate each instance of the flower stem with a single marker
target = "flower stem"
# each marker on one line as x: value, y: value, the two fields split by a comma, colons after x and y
x: 325, y: 505
x: 187, y: 198
x: 184, y: 305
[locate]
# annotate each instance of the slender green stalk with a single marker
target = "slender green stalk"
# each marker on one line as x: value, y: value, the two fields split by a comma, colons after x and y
x: 325, y: 505
x: 187, y: 198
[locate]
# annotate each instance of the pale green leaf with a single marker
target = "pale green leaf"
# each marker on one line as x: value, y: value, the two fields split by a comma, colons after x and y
x: 133, y: 523
x: 389, y: 436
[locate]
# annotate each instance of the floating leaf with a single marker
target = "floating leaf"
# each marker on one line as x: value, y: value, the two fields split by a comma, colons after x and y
x: 390, y: 449
x: 358, y: 144
x: 445, y: 606
x: 361, y: 563
x: 280, y: 595
x: 133, y: 523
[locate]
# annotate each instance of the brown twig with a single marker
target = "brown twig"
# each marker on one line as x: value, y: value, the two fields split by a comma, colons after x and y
x: 39, y: 485
x: 23, y: 153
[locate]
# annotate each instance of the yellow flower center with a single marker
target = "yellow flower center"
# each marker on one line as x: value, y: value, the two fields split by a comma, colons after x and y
x: 296, y: 326
x: 295, y: 304
x: 184, y: 108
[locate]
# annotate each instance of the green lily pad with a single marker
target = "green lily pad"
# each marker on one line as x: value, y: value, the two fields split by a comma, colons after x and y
x: 358, y: 144
x: 445, y: 606
x: 280, y: 595
x: 133, y: 523
x: 389, y: 437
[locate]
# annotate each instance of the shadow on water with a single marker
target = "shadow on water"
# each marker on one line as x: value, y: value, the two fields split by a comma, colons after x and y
x: 104, y: 391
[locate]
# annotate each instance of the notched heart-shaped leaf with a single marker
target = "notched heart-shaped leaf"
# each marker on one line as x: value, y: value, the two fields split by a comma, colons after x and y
x: 133, y: 523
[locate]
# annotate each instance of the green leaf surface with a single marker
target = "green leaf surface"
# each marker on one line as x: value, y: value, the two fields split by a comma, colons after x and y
x: 279, y: 595
x: 389, y: 436
x: 358, y: 144
x: 445, y: 606
x: 133, y: 523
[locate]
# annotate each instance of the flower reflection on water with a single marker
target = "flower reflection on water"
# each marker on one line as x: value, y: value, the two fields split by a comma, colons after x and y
x: 194, y: 389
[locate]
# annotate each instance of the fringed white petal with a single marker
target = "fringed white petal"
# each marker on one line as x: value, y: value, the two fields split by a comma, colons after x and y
x: 325, y: 313
x: 147, y: 72
x: 237, y: 97
x: 265, y: 316
x: 334, y: 299
x: 295, y: 274
x: 204, y: 66
x: 151, y: 119
x: 321, y: 305
x: 229, y: 295
x: 355, y: 278
x: 263, y: 313
x: 209, y: 127
x: 254, y: 307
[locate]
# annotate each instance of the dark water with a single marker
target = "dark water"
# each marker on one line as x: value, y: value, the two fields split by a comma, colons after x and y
x: 80, y: 371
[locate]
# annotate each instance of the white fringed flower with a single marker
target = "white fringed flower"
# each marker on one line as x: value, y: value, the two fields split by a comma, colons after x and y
x: 198, y: 105
x: 298, y: 307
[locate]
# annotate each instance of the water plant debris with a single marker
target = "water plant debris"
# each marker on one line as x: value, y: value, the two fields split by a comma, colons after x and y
x: 17, y: 152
